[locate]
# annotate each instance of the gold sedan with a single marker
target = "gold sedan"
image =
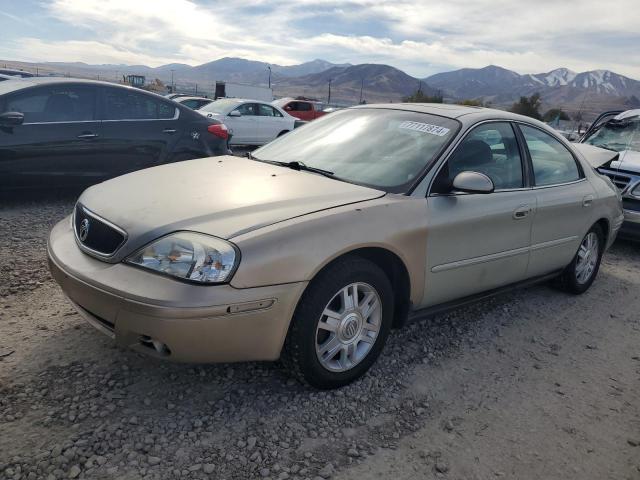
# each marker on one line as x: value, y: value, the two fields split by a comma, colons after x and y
x: 318, y: 244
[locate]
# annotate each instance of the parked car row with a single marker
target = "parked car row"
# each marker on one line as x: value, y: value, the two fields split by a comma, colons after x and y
x: 59, y: 131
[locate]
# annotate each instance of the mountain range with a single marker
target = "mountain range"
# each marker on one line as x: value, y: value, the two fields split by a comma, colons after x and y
x: 590, y: 92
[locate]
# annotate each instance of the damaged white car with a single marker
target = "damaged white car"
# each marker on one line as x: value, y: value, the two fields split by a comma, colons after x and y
x: 621, y: 134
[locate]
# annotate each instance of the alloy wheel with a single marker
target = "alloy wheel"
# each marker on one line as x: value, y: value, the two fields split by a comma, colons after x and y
x: 348, y: 327
x: 587, y: 257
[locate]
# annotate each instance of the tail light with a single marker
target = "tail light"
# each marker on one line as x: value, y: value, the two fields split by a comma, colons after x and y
x: 219, y: 130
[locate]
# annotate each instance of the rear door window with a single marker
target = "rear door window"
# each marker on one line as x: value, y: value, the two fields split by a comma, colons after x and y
x: 268, y: 111
x: 553, y: 164
x: 64, y: 103
x: 122, y: 104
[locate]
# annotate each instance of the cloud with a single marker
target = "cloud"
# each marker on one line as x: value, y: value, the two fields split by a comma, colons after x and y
x: 421, y: 37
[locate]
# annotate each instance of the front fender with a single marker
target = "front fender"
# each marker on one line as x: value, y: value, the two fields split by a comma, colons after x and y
x: 297, y: 249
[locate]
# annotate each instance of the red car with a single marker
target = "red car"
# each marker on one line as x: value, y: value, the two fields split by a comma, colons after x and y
x: 303, y: 109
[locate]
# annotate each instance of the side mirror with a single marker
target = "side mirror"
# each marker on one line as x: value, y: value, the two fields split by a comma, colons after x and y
x: 11, y: 119
x: 235, y: 113
x: 473, y: 182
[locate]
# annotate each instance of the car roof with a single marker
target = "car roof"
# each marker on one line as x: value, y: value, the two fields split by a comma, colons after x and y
x: 628, y: 114
x: 180, y: 99
x: 464, y: 113
x: 20, y: 83
x: 244, y: 100
x: 16, y: 72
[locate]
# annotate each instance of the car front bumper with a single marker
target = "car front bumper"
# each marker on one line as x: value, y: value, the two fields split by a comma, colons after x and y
x: 631, y: 226
x: 166, y: 318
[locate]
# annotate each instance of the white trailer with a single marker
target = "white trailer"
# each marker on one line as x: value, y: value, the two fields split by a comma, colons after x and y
x: 236, y: 90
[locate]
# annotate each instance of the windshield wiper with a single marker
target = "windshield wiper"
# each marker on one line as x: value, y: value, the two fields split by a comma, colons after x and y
x: 293, y: 165
x: 296, y: 165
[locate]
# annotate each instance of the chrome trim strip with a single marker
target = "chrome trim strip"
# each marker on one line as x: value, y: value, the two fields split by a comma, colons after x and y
x: 176, y: 116
x: 553, y: 243
x: 500, y: 255
x: 91, y: 251
x: 57, y: 123
x: 482, y: 259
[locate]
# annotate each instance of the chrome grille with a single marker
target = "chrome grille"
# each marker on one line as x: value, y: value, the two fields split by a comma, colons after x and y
x: 620, y: 180
x: 95, y: 234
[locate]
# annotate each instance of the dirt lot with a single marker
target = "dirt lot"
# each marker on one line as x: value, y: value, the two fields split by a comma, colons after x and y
x: 530, y: 385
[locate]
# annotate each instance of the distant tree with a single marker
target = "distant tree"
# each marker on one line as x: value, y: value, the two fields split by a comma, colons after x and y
x: 552, y: 114
x: 420, y: 97
x: 529, y: 106
x: 470, y: 102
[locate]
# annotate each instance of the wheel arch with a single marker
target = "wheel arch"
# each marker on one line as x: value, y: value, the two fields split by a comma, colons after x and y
x: 603, y: 223
x: 395, y: 269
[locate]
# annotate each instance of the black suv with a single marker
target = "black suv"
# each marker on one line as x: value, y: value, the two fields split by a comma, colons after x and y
x: 67, y: 132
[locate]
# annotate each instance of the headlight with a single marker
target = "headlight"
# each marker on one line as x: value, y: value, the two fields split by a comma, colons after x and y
x: 189, y: 256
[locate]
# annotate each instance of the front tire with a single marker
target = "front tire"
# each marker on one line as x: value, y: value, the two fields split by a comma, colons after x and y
x: 340, y: 324
x: 578, y: 276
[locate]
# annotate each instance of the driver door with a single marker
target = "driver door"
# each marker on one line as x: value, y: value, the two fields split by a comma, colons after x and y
x: 477, y: 242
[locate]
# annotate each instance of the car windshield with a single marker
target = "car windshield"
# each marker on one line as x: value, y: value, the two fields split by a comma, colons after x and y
x: 617, y: 135
x: 383, y: 148
x: 220, y: 106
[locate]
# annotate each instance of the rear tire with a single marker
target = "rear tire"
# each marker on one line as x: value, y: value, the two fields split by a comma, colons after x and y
x: 330, y: 351
x: 578, y: 276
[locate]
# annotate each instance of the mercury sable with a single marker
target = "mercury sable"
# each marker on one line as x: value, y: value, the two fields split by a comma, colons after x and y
x: 318, y: 244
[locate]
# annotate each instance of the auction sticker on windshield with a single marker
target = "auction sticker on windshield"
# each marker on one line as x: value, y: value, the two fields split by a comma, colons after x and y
x: 424, y: 127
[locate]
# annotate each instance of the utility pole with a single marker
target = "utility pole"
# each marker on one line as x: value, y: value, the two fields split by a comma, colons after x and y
x: 269, y: 67
x: 173, y: 86
x: 361, y: 87
x: 329, y: 99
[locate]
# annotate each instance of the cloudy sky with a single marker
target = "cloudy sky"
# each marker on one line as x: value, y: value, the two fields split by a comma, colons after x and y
x: 419, y: 36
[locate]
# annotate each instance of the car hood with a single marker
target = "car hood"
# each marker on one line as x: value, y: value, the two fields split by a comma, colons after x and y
x: 629, y: 161
x: 222, y: 196
x: 596, y: 156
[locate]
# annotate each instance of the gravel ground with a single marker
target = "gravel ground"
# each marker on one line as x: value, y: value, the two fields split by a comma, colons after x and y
x: 532, y: 384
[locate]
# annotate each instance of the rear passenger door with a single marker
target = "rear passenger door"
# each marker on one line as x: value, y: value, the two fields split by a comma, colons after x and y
x: 563, y: 197
x: 271, y: 122
x: 59, y: 141
x: 139, y: 130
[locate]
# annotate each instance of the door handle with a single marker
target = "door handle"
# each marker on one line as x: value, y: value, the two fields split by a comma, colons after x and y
x: 587, y: 201
x: 169, y: 130
x: 88, y: 136
x: 522, y: 211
